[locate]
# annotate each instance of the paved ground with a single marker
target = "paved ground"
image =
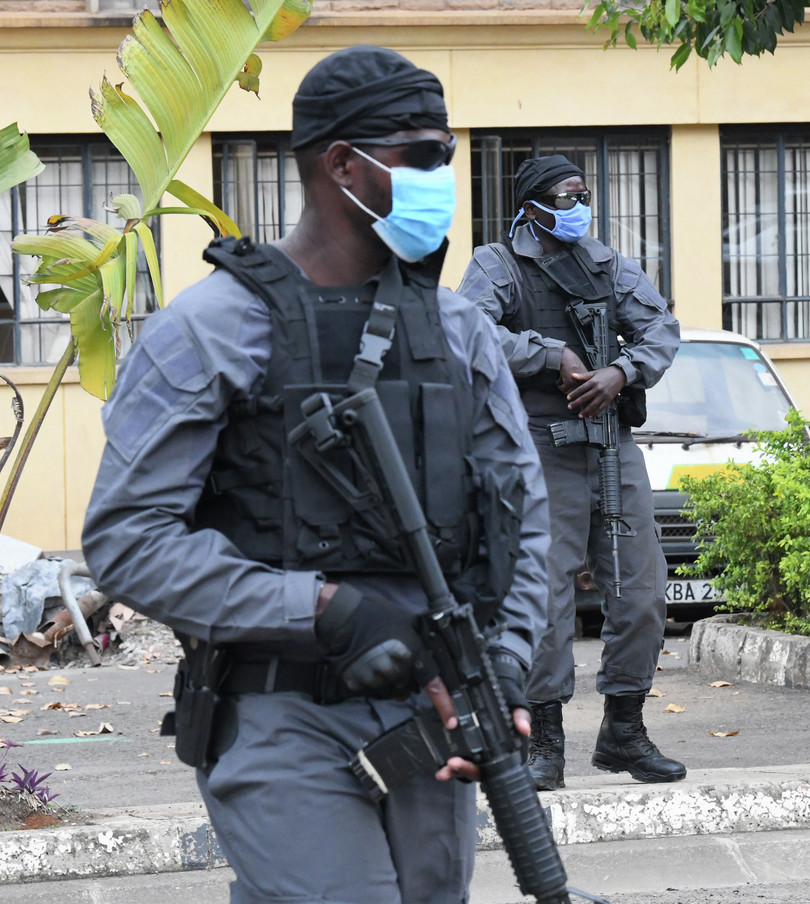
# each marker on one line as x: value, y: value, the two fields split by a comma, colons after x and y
x: 98, y: 731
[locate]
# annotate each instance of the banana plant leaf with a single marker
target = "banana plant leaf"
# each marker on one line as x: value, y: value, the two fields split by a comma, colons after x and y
x: 180, y: 71
x: 18, y: 163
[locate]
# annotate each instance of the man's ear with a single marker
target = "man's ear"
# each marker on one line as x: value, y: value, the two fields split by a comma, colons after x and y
x: 530, y: 210
x: 338, y: 162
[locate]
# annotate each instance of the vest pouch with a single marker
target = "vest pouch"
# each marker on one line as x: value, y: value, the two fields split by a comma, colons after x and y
x: 486, y: 582
x: 632, y: 406
x: 446, y: 483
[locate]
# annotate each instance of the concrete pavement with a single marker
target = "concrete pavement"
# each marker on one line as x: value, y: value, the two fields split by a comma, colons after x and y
x: 745, y: 745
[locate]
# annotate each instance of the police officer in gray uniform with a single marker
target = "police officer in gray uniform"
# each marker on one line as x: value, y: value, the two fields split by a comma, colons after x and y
x: 294, y: 601
x: 525, y: 284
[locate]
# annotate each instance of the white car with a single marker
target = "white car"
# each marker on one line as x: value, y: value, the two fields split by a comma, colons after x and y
x: 720, y: 386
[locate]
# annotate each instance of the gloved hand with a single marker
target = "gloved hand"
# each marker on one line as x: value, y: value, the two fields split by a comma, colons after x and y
x: 512, y: 679
x: 373, y: 644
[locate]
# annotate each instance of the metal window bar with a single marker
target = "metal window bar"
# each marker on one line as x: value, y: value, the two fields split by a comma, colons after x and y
x: 766, y: 294
x: 271, y: 181
x: 641, y: 178
x: 74, y: 170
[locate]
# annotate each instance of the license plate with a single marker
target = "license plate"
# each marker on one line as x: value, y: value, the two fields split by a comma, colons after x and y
x: 691, y: 592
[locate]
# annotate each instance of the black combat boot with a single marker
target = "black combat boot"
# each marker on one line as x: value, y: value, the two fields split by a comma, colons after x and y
x: 547, y: 746
x: 623, y: 745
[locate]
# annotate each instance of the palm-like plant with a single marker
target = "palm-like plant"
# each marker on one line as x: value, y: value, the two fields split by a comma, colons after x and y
x: 181, y: 70
x: 18, y: 162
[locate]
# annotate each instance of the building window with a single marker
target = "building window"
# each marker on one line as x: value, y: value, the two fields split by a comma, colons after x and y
x: 766, y: 232
x: 79, y: 178
x: 256, y: 183
x: 627, y: 172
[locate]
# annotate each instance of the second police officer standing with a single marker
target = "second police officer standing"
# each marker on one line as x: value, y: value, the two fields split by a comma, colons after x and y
x: 525, y: 284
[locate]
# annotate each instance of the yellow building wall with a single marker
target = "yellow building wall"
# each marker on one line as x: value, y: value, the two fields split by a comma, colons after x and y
x: 525, y: 70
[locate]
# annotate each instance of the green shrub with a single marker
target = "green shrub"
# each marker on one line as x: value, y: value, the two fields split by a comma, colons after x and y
x: 753, y: 529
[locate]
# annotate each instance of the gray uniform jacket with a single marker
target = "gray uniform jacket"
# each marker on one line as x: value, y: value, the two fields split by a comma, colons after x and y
x: 650, y: 332
x: 207, y: 349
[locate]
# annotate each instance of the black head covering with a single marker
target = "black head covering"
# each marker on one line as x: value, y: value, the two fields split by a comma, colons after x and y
x: 537, y: 175
x: 365, y: 92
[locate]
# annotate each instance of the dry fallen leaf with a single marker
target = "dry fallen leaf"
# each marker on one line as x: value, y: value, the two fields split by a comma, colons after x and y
x: 166, y: 694
x: 724, y: 734
x: 103, y: 728
x: 97, y: 706
x: 58, y: 680
x: 28, y: 692
x: 5, y: 690
x: 12, y: 719
x: 674, y: 708
x: 62, y: 767
x: 46, y: 731
x: 165, y: 762
x: 720, y: 684
x: 654, y: 692
x: 143, y: 754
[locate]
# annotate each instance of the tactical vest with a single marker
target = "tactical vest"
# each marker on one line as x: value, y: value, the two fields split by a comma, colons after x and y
x: 267, y: 498
x: 549, y: 285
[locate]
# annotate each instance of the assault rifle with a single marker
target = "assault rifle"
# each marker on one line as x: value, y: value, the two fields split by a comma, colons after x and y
x: 602, y: 431
x: 485, y: 733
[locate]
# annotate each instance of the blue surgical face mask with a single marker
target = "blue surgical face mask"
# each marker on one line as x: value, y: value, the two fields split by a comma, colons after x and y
x: 569, y: 225
x: 423, y: 204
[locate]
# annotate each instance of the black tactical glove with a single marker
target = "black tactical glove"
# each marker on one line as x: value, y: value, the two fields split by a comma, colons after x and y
x: 373, y: 644
x: 512, y: 679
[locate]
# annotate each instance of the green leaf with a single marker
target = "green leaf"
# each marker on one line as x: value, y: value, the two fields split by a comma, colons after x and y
x: 131, y: 250
x: 680, y: 56
x: 734, y: 40
x: 96, y: 342
x: 187, y: 195
x: 18, y: 163
x: 150, y: 252
x: 673, y: 12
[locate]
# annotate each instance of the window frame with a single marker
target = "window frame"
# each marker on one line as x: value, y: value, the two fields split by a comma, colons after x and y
x: 762, y: 138
x: 279, y: 143
x: 546, y: 141
x: 64, y: 146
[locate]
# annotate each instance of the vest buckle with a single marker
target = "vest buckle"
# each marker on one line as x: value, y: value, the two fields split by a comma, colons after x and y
x: 319, y: 416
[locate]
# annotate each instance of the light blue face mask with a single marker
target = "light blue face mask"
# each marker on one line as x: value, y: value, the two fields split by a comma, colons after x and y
x: 423, y: 204
x: 569, y: 225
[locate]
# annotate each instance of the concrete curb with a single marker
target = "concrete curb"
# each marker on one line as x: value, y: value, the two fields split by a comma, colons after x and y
x: 176, y: 838
x: 721, y: 647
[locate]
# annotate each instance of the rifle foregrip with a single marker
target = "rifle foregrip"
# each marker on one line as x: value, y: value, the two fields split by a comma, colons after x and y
x: 526, y: 834
x: 610, y: 483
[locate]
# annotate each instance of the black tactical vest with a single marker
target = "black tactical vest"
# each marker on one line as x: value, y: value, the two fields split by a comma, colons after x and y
x: 549, y: 285
x: 267, y: 498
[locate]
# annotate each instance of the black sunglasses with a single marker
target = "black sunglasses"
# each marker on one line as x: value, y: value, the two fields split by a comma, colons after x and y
x: 565, y: 200
x: 417, y: 153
